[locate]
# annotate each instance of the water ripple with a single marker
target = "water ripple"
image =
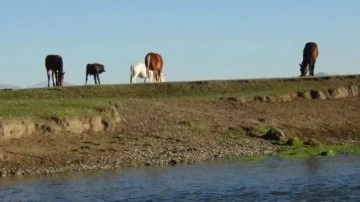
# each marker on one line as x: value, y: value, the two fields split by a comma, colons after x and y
x: 315, y: 179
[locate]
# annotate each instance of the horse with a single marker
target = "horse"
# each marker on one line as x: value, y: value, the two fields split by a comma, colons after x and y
x: 94, y: 69
x: 54, y: 64
x: 139, y: 70
x: 154, y: 62
x: 310, y: 54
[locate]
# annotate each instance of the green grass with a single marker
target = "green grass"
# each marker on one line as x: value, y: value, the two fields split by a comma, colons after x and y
x: 45, y: 108
x: 307, y: 151
x: 234, y: 133
x: 75, y: 100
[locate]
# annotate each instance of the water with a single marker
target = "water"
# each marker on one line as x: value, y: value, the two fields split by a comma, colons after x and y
x: 315, y: 179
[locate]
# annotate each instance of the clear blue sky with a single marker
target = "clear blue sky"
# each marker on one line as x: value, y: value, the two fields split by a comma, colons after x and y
x: 199, y: 40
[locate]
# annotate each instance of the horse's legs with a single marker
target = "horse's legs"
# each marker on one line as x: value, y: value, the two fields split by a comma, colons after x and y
x: 48, y: 76
x: 57, y: 81
x: 312, y: 67
x: 86, y: 78
x: 302, y: 69
x: 306, y: 70
x: 98, y: 78
x: 149, y: 78
x: 134, y: 76
x: 52, y: 76
x: 157, y: 76
x: 133, y: 79
x: 95, y: 79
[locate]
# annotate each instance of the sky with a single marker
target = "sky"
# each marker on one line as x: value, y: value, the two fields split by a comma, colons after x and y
x: 198, y: 40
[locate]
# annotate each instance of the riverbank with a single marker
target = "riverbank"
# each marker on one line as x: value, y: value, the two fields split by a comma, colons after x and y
x: 111, y: 126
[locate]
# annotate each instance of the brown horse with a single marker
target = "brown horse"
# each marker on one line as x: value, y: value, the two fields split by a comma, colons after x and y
x: 54, y: 63
x: 154, y: 62
x: 94, y: 69
x: 310, y: 55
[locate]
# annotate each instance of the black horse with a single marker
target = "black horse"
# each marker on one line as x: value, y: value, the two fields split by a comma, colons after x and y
x: 310, y: 55
x: 54, y: 63
x: 94, y: 69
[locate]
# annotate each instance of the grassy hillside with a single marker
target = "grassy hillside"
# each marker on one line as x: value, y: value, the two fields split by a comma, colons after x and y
x: 111, y: 126
x: 77, y: 100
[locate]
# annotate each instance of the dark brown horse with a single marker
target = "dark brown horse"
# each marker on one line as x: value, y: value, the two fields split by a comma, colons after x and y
x: 94, y: 69
x: 310, y: 55
x: 154, y: 62
x: 54, y: 63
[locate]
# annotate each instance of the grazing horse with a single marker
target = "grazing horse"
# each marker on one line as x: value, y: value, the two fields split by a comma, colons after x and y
x: 54, y: 63
x: 310, y: 55
x: 154, y: 62
x: 139, y: 70
x: 94, y: 69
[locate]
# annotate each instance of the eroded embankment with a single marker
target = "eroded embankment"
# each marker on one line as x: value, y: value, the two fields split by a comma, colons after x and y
x: 329, y: 94
x: 105, y: 120
x: 142, y: 131
x: 108, y: 119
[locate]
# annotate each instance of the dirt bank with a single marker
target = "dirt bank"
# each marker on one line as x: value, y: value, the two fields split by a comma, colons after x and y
x: 138, y: 131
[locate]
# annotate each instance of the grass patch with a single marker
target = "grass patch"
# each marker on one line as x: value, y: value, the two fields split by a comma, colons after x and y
x: 259, y: 130
x: 294, y: 142
x: 75, y: 100
x: 46, y: 108
x: 329, y: 150
x: 234, y: 133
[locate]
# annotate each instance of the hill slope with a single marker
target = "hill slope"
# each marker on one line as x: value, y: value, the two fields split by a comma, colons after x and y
x: 110, y: 126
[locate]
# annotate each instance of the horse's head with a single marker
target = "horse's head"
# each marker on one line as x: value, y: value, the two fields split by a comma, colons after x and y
x: 100, y: 68
x: 60, y: 79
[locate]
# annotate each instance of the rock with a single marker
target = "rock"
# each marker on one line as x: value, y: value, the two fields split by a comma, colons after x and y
x: 242, y: 100
x: 265, y: 98
x: 337, y: 93
x: 354, y: 90
x: 274, y: 134
x: 285, y: 98
x: 271, y: 98
x: 172, y: 162
x: 313, y: 95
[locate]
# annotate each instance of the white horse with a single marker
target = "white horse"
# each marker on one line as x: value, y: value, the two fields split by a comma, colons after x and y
x: 139, y: 70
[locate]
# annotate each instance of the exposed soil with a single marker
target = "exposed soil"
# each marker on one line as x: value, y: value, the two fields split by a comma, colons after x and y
x: 137, y: 131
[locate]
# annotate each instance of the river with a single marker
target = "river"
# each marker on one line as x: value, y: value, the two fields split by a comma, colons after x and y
x: 274, y: 179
